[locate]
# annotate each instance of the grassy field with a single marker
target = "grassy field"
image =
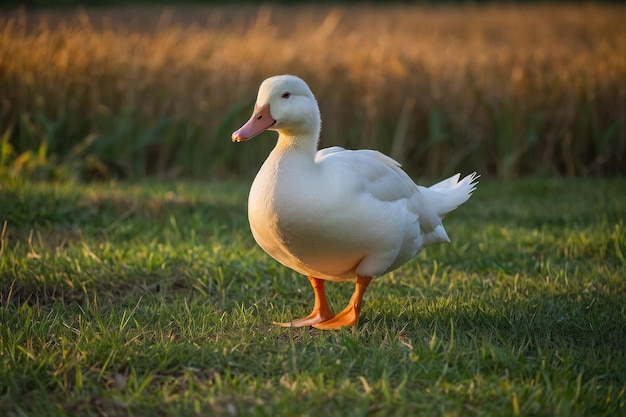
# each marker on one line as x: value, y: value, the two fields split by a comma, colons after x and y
x: 152, y: 299
x: 508, y: 91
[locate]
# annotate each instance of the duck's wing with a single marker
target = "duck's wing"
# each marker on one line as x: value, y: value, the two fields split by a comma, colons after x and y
x: 382, y: 178
x: 327, y: 151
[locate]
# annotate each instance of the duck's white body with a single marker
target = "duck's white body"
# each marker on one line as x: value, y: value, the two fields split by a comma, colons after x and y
x: 345, y: 213
x: 336, y: 214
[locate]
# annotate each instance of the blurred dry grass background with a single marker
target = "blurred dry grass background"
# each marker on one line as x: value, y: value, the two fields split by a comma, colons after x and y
x: 508, y: 91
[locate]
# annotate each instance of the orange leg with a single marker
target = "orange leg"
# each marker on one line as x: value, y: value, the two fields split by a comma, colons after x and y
x: 321, y: 311
x: 350, y: 315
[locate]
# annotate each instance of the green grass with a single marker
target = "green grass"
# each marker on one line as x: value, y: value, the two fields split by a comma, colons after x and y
x: 152, y: 299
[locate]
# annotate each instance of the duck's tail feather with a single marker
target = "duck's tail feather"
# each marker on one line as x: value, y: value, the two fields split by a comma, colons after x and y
x: 450, y: 193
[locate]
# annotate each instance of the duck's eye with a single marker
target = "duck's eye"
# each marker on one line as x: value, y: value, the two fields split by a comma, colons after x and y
x: 286, y: 95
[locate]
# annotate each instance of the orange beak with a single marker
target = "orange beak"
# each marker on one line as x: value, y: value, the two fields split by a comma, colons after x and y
x: 260, y: 121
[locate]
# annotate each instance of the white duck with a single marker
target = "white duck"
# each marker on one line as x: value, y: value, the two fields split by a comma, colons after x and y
x: 336, y: 214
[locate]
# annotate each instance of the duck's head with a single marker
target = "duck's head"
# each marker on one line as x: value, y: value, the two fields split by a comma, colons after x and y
x: 285, y: 104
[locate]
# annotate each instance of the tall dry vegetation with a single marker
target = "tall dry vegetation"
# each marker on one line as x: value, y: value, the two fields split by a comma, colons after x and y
x: 507, y: 91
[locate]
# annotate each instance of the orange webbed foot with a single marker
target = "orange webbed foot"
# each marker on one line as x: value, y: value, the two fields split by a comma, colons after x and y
x: 321, y: 311
x: 350, y: 315
x: 310, y: 320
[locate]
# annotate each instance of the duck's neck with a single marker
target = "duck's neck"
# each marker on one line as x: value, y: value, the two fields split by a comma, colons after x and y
x: 304, y: 146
